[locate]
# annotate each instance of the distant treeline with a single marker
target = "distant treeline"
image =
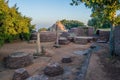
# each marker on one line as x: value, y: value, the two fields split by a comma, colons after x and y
x: 71, y: 23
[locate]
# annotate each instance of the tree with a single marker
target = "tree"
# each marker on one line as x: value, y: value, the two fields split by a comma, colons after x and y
x: 13, y: 24
x: 106, y: 9
x: 71, y: 23
x: 42, y: 29
x: 95, y: 22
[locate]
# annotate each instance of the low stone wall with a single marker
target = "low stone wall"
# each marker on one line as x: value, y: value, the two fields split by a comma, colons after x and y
x: 47, y: 36
x: 65, y: 34
x: 117, y: 40
x: 83, y: 31
x: 104, y: 35
x: 90, y: 31
x: 82, y: 40
x: 74, y: 30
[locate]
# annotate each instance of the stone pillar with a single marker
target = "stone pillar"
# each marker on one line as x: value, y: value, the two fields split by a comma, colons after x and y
x: 38, y: 46
x: 57, y: 40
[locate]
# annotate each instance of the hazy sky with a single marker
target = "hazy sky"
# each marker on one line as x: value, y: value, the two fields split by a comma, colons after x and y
x: 44, y: 13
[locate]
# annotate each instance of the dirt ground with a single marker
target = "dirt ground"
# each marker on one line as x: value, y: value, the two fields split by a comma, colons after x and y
x: 101, y: 67
x: 40, y: 63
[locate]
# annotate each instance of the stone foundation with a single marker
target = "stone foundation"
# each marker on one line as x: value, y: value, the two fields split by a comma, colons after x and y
x: 47, y: 36
x: 18, y: 60
x: 63, y: 41
x: 82, y: 40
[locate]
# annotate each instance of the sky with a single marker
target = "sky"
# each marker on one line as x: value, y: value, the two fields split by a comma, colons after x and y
x: 45, y: 13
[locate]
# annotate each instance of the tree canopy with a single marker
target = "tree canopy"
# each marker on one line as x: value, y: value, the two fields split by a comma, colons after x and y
x: 12, y: 23
x: 71, y: 23
x: 105, y: 10
x: 42, y: 29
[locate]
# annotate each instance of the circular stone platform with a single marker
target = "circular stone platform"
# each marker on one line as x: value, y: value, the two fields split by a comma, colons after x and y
x: 18, y: 60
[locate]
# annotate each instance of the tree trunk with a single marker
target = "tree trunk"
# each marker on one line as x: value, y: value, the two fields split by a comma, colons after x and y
x: 111, y: 40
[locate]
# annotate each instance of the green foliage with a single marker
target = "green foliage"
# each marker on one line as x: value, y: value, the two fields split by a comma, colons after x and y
x: 106, y: 11
x: 42, y: 29
x: 117, y: 20
x: 71, y: 23
x: 12, y: 23
x: 95, y: 22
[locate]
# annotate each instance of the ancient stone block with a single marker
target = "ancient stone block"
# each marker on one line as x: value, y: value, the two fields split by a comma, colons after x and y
x: 82, y: 40
x: 47, y: 36
x: 18, y: 60
x: 20, y: 74
x: 104, y: 35
x: 63, y: 41
x: 65, y: 34
x: 66, y: 59
x: 53, y: 70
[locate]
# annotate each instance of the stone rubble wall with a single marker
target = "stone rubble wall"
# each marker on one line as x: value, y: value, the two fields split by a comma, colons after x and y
x: 104, y: 35
x: 45, y: 36
x: 82, y: 31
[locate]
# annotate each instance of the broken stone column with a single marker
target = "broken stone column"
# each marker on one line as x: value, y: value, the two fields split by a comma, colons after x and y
x: 53, y: 70
x: 20, y: 74
x: 66, y: 59
x: 18, y: 60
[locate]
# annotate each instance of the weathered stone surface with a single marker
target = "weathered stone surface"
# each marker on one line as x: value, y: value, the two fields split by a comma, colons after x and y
x: 82, y: 40
x: 90, y: 31
x: 104, y: 35
x: 83, y: 52
x: 66, y: 59
x: 47, y: 36
x: 53, y: 70
x: 82, y: 31
x: 65, y: 34
x: 38, y: 77
x: 18, y: 60
x: 63, y: 41
x: 20, y: 74
x: 117, y: 40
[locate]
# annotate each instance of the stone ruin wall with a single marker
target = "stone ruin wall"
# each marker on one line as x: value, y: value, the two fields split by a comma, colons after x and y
x: 82, y: 31
x: 104, y: 35
x: 46, y: 36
